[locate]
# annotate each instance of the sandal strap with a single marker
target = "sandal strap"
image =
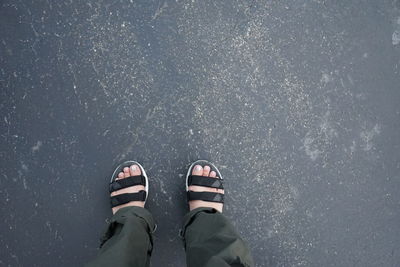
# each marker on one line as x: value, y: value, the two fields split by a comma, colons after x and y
x: 127, y: 182
x: 205, y: 196
x: 205, y: 181
x: 128, y: 197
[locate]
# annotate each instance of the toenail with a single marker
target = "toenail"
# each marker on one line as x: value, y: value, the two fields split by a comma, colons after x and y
x: 133, y: 168
x: 198, y: 168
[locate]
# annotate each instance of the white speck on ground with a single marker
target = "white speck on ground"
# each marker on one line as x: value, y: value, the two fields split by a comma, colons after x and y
x: 24, y: 167
x: 318, y: 138
x: 36, y: 147
x: 368, y: 135
x: 396, y: 33
x: 353, y: 147
x: 309, y: 148
x: 24, y: 183
x: 326, y: 126
x: 396, y: 37
x: 326, y: 78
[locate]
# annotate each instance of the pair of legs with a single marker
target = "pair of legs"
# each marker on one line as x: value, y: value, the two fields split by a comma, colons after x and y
x: 209, y: 238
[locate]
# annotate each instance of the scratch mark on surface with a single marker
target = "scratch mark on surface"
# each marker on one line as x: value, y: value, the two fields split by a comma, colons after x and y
x: 159, y: 11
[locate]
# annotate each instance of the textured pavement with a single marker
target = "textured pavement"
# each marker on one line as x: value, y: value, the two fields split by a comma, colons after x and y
x: 298, y: 103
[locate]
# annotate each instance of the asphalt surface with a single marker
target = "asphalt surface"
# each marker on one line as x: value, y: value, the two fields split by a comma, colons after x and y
x: 297, y: 102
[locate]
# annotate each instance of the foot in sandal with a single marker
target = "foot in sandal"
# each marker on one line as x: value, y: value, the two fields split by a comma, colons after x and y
x: 204, y: 186
x: 128, y: 186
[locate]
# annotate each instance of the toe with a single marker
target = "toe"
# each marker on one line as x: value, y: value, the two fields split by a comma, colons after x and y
x: 197, y: 170
x: 126, y: 172
x: 206, y: 171
x: 121, y: 175
x: 213, y: 174
x: 135, y: 170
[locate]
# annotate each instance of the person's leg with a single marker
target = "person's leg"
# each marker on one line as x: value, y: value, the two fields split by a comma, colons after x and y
x: 128, y: 239
x: 210, y: 239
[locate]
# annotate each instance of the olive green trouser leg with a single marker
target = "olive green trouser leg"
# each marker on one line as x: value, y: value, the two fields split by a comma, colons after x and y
x: 128, y: 240
x: 211, y: 241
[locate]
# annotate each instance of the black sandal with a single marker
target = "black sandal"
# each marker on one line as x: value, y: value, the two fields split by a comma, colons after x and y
x: 206, y: 182
x: 128, y: 182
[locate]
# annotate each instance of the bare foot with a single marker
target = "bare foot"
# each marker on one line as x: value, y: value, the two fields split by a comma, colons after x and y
x: 204, y: 171
x: 133, y: 170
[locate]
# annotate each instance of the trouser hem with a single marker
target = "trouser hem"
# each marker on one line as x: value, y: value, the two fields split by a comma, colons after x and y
x: 120, y: 217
